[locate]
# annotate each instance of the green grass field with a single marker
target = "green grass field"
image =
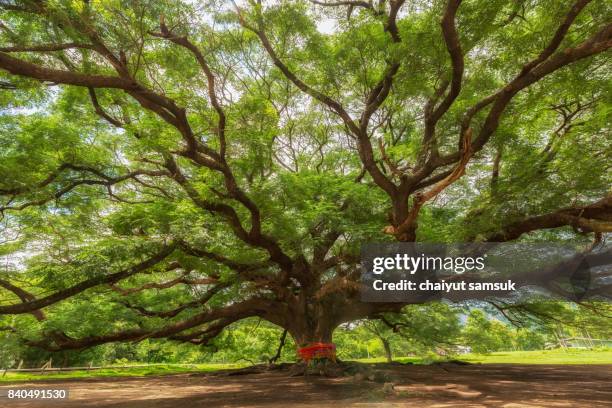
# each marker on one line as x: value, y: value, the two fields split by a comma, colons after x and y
x: 543, y: 357
x: 506, y: 357
x: 153, y: 369
x: 558, y: 356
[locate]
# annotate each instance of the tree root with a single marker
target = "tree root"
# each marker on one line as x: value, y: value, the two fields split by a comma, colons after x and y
x: 321, y: 368
x: 330, y: 369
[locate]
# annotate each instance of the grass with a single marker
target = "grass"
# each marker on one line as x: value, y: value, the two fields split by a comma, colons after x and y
x: 558, y: 356
x: 542, y: 357
x: 153, y: 369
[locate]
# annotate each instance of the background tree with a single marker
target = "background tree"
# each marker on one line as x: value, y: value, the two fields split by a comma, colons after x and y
x: 381, y: 332
x: 485, y: 334
x: 424, y: 327
x: 171, y: 169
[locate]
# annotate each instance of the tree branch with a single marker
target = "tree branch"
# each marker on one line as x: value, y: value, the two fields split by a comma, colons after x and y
x: 46, y: 47
x: 595, y: 217
x: 56, y: 341
x: 36, y: 304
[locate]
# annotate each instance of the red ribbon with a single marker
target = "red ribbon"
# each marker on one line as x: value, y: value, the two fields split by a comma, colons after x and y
x: 318, y: 350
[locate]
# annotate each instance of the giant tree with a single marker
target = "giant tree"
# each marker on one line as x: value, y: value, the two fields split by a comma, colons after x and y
x: 170, y: 168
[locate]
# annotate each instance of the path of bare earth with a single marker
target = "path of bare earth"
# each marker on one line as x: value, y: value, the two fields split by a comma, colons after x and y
x: 442, y: 385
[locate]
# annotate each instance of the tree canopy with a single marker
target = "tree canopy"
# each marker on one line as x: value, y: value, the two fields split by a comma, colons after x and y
x: 170, y: 168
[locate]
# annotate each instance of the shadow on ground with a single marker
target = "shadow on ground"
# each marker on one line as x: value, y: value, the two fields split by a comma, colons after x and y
x: 441, y: 385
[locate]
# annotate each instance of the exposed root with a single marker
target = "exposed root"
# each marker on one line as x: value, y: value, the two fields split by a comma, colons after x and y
x: 318, y: 368
x: 327, y: 368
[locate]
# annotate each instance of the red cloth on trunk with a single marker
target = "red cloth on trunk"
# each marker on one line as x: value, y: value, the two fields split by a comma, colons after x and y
x: 318, y: 350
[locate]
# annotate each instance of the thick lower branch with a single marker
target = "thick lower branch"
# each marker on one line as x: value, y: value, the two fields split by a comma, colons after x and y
x: 33, y: 305
x: 596, y: 217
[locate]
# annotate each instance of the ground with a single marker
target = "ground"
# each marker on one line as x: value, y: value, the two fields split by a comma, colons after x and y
x: 436, y: 385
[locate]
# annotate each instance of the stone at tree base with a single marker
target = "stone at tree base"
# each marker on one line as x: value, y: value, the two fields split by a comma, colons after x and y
x: 380, y: 377
x: 389, y: 388
x: 359, y: 377
x: 298, y: 369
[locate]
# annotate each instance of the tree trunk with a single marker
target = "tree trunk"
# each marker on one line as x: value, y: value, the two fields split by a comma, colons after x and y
x: 308, y: 332
x: 388, y: 352
x: 309, y: 322
x: 315, y: 324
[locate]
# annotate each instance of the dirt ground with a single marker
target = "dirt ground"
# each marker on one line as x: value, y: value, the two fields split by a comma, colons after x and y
x: 447, y: 385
